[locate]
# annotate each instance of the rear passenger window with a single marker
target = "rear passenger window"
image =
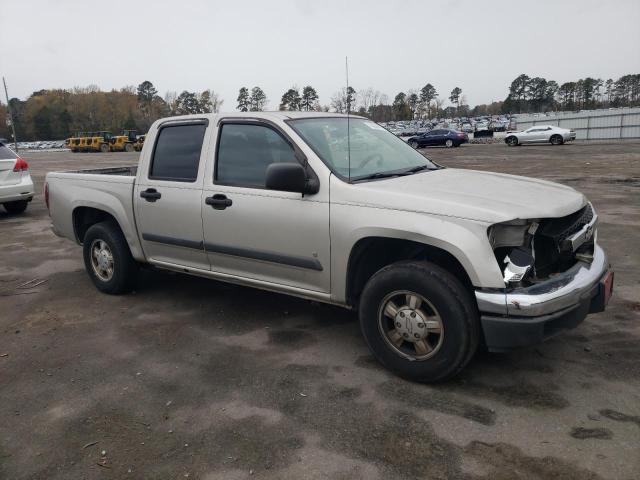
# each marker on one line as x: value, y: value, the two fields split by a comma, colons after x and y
x: 245, y: 152
x: 176, y: 156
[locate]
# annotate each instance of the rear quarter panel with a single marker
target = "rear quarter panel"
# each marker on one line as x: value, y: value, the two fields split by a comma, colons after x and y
x: 110, y: 193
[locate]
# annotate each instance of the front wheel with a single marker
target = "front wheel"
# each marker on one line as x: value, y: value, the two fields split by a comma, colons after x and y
x: 104, y: 148
x: 419, y: 321
x: 449, y: 143
x: 108, y: 260
x: 512, y: 141
x: 128, y: 147
x: 413, y: 144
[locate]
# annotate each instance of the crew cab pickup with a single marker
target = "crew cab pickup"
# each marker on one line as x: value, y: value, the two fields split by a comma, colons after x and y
x: 339, y: 210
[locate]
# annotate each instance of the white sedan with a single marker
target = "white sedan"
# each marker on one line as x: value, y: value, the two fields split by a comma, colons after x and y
x: 16, y: 186
x: 540, y: 134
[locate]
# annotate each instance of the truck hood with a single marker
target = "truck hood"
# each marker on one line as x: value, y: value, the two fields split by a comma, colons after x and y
x: 482, y: 196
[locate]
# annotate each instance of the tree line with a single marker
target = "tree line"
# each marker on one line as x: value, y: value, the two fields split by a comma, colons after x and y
x: 537, y: 94
x: 55, y: 114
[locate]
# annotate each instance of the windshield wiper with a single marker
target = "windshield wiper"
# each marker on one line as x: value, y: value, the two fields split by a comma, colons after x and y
x: 397, y: 173
x: 419, y: 168
x: 380, y: 175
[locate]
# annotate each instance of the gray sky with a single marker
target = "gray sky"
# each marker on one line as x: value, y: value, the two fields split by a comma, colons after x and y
x: 478, y: 45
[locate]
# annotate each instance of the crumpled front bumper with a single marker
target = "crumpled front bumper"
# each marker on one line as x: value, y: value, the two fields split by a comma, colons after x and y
x: 527, y: 316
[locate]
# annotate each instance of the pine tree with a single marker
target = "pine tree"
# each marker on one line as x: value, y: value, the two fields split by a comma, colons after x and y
x: 309, y: 98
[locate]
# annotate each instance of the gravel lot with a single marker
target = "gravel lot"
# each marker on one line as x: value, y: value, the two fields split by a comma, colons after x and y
x: 190, y: 378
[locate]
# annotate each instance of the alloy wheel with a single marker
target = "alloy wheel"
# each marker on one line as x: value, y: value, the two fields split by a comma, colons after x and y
x: 102, y: 260
x: 410, y: 325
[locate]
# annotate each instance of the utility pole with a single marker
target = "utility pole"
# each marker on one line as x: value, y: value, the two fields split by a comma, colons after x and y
x: 13, y: 125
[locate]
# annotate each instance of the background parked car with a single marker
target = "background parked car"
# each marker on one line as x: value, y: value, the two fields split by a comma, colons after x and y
x: 16, y: 186
x: 540, y: 134
x: 446, y: 137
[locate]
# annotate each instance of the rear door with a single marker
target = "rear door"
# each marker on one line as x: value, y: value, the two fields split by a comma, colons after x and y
x: 437, y: 137
x: 7, y: 164
x: 168, y: 196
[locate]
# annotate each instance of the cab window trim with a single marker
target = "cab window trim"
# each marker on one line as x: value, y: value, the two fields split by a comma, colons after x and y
x: 171, y: 124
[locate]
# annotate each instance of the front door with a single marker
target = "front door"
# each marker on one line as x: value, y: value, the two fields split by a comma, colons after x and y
x: 251, y: 232
x: 168, y: 197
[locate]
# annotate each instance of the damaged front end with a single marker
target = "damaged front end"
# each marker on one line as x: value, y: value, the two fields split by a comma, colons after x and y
x: 555, y: 274
x: 534, y: 250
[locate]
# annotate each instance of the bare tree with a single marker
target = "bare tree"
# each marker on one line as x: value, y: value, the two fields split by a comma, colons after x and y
x: 170, y: 99
x: 344, y: 100
x: 368, y: 98
x: 438, y: 103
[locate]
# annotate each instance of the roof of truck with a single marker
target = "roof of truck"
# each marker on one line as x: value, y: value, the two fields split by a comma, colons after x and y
x: 275, y: 115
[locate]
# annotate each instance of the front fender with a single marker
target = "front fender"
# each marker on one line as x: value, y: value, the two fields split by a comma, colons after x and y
x: 466, y: 240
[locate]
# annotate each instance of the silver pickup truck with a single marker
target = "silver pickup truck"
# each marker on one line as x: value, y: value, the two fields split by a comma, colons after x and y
x: 339, y: 210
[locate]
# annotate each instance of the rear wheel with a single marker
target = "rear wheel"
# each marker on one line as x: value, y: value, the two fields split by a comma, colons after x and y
x: 104, y: 148
x: 512, y: 141
x: 128, y: 147
x: 413, y: 144
x: 557, y: 140
x: 449, y: 143
x: 18, y: 206
x: 419, y: 321
x: 108, y: 260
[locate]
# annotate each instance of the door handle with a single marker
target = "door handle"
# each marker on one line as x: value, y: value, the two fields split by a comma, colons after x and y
x: 150, y: 194
x: 218, y: 201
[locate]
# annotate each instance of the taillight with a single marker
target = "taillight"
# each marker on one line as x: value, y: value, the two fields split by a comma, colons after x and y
x: 46, y: 195
x: 20, y: 165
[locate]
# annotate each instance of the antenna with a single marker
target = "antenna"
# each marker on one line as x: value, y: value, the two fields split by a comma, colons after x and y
x: 346, y: 66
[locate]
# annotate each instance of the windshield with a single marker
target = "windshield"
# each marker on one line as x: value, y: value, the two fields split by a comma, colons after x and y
x: 374, y: 151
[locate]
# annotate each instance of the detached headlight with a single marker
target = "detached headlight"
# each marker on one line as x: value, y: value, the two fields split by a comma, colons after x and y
x: 512, y: 244
x: 519, y: 261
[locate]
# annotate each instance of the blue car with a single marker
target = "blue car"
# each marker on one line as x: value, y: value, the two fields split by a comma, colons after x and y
x: 443, y: 136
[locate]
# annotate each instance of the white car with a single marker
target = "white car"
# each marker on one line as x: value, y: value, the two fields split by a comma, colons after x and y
x: 16, y: 186
x: 540, y: 134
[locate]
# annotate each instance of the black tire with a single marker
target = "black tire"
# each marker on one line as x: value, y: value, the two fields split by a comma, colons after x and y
x: 18, y: 206
x: 460, y: 325
x: 556, y: 140
x: 414, y: 144
x: 449, y: 143
x: 512, y: 141
x: 125, y: 268
x: 104, y: 148
x: 128, y: 147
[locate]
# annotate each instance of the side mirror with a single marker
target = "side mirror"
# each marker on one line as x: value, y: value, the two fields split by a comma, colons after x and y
x: 287, y: 177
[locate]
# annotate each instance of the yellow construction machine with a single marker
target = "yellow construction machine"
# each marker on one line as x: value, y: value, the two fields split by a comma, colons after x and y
x: 125, y: 142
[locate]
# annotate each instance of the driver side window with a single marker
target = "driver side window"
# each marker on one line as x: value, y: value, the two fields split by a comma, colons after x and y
x: 245, y: 151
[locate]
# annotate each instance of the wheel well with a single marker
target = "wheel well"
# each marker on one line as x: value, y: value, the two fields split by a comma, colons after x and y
x: 373, y: 253
x: 85, y: 217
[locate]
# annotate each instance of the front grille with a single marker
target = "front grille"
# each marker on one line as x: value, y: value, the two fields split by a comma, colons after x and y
x: 550, y: 257
x: 562, y: 228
